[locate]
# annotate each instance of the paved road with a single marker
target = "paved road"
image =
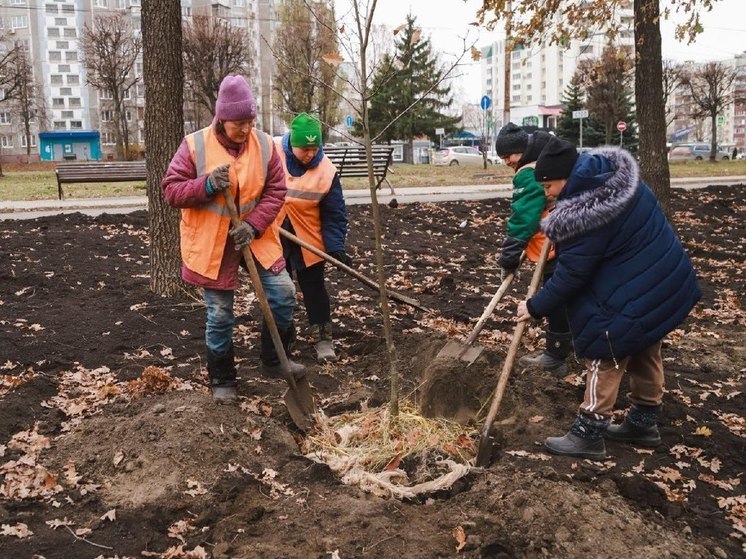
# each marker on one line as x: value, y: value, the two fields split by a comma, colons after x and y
x: 42, y: 208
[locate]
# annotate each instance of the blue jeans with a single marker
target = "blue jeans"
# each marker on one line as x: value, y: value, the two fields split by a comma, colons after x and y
x: 280, y: 292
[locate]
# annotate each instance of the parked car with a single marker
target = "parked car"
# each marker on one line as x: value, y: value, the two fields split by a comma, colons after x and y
x: 460, y: 155
x: 695, y: 152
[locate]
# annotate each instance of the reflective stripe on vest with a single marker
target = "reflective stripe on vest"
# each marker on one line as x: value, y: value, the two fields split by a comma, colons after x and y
x: 302, y: 203
x: 204, y: 230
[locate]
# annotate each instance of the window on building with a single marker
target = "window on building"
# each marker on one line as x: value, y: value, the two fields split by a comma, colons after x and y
x: 66, y: 91
x: 55, y: 56
x: 76, y: 124
x: 107, y: 115
x: 516, y: 87
x: 6, y: 140
x: 18, y: 22
x: 75, y: 101
x: 103, y: 94
x: 68, y: 8
x: 24, y: 142
x: 53, y: 32
x: 62, y: 45
x: 516, y: 99
x: 61, y: 21
x: 134, y: 2
x: 5, y: 117
x: 68, y: 114
x: 17, y: 2
x: 239, y: 3
x: 71, y: 32
x: 59, y: 125
x: 528, y: 87
x: 56, y: 79
x: 140, y: 90
x: 516, y: 66
x: 64, y: 68
x: 2, y: 93
x: 73, y: 79
x: 515, y: 77
x: 108, y: 138
x: 71, y: 56
x: 51, y: 8
x: 58, y: 102
x: 528, y: 99
x: 128, y: 115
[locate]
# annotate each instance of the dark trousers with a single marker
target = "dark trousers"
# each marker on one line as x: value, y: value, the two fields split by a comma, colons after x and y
x: 315, y: 296
x: 557, y: 321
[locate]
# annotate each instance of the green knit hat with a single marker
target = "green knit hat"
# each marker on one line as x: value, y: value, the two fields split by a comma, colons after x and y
x: 305, y: 132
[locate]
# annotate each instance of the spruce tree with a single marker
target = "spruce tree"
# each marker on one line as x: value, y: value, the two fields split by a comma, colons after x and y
x: 411, y: 74
x: 567, y: 127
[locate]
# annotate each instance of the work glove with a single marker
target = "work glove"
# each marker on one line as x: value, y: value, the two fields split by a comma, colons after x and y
x: 242, y: 235
x: 218, y: 179
x: 342, y: 256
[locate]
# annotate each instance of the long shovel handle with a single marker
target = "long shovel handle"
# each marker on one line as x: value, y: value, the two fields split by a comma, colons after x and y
x: 489, y: 309
x: 508, y: 365
x: 351, y: 271
x: 260, y: 295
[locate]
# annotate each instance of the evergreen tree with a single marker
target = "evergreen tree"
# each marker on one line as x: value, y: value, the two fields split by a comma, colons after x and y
x: 567, y: 127
x: 410, y: 77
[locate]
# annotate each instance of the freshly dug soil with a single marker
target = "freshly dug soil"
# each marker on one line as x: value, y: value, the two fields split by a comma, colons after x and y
x: 110, y: 445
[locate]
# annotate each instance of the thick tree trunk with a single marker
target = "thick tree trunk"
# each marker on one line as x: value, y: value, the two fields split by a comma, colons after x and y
x: 651, y: 115
x: 164, y: 130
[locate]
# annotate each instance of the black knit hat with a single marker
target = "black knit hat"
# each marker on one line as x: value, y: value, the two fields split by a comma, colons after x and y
x: 536, y: 143
x: 511, y: 139
x: 556, y: 160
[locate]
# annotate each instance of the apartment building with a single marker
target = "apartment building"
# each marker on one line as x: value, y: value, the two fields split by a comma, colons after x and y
x: 730, y: 125
x: 51, y: 31
x: 539, y: 74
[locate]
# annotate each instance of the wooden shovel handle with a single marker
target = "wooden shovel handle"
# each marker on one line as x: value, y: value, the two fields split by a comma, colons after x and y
x: 515, y: 342
x: 256, y: 282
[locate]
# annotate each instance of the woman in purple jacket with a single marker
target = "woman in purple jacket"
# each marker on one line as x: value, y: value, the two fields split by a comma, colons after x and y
x: 230, y: 154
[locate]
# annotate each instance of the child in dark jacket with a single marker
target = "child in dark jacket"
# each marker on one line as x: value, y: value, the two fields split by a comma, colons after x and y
x: 626, y: 281
x: 520, y: 150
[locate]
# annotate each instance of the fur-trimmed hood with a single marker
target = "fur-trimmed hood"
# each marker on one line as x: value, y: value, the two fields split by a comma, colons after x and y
x: 601, y: 187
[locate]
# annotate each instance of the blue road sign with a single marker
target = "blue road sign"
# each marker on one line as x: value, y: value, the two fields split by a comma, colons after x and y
x: 348, y: 121
x: 485, y: 103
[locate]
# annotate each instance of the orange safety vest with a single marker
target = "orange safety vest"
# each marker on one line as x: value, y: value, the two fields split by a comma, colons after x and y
x: 533, y: 250
x: 302, y: 203
x: 204, y: 230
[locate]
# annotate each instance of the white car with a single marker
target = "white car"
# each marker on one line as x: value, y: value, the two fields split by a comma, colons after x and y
x: 461, y: 155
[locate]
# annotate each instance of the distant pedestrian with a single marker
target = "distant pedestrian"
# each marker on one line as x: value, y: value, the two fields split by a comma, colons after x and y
x: 626, y: 281
x: 231, y: 154
x: 315, y: 211
x: 519, y: 151
x: 734, y: 156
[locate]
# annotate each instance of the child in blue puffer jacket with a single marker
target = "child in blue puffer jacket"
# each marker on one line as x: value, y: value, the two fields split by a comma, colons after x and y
x: 626, y: 281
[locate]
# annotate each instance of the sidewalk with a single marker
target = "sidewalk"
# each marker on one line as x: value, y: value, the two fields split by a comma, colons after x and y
x: 39, y: 208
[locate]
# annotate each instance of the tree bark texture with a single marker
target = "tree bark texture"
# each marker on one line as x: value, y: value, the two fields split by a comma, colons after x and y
x: 164, y: 129
x: 651, y: 117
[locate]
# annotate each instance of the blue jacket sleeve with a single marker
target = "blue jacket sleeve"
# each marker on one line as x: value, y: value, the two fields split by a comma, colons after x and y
x: 576, y: 263
x: 334, y: 221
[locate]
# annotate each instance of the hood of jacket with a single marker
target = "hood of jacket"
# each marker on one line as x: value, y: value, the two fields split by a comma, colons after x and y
x: 600, y: 188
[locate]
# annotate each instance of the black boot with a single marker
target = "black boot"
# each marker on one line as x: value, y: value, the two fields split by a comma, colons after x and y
x: 323, y: 342
x: 638, y: 428
x: 559, y: 345
x: 584, y: 439
x: 271, y: 366
x: 221, y: 369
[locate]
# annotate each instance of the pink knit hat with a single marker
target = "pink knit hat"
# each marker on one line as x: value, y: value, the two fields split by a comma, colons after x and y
x: 235, y: 100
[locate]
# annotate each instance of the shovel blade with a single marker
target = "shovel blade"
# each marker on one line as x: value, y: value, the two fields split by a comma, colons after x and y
x: 486, y: 449
x: 299, y: 403
x: 455, y: 350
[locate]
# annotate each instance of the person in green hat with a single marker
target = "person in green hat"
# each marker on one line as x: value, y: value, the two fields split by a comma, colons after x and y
x: 314, y: 211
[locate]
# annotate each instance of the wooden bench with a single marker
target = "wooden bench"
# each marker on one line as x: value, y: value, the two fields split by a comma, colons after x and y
x: 95, y: 171
x: 351, y: 162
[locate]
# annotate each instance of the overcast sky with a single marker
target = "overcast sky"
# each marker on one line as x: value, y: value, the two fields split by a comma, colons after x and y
x: 447, y: 24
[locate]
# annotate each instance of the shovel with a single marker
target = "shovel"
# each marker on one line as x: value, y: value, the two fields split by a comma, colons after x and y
x: 486, y: 443
x: 298, y: 397
x: 467, y: 351
x: 351, y: 271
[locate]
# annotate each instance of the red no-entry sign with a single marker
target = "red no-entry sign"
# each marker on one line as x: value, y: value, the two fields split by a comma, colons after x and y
x: 621, y: 126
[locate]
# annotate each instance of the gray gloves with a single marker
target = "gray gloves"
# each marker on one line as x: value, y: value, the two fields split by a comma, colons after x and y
x: 342, y: 256
x: 218, y: 180
x: 242, y: 235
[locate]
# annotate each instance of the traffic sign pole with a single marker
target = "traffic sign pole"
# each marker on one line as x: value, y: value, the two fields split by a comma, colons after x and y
x: 581, y: 132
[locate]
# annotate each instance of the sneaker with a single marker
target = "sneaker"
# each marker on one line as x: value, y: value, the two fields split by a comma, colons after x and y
x: 325, y: 351
x: 275, y: 371
x: 545, y: 361
x: 224, y: 393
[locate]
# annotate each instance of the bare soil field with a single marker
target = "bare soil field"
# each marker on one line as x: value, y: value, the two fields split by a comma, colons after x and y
x: 111, y: 447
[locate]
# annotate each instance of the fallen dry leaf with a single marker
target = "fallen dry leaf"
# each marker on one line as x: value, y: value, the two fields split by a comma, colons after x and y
x: 19, y: 530
x: 460, y: 535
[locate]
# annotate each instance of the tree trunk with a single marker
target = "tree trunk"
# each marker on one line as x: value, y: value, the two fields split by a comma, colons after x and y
x: 651, y: 114
x: 714, y: 136
x: 164, y: 130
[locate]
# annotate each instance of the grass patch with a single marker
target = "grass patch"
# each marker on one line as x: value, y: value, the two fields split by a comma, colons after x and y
x: 38, y: 182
